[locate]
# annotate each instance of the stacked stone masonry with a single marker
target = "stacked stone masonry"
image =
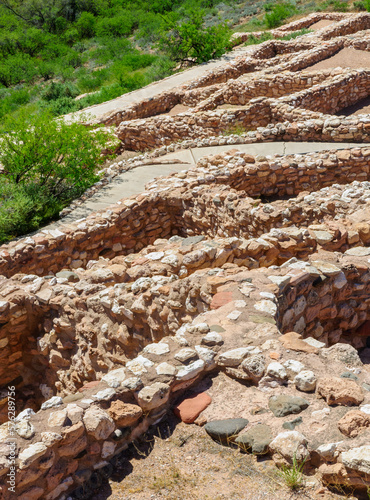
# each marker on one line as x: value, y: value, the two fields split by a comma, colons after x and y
x: 254, y: 266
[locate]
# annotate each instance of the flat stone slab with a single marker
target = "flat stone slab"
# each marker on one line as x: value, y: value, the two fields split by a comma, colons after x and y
x: 283, y: 405
x: 191, y: 407
x: 223, y: 430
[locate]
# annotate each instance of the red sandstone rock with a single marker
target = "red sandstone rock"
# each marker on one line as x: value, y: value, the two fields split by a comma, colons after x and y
x: 220, y: 299
x: 190, y: 408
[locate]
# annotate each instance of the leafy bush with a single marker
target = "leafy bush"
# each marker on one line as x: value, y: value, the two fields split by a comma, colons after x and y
x: 278, y: 13
x: 86, y: 25
x: 46, y: 164
x: 116, y: 26
x: 191, y: 41
x: 92, y: 81
x: 57, y: 90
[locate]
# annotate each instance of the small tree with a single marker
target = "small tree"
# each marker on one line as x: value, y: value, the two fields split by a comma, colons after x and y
x: 190, y: 40
x: 46, y: 163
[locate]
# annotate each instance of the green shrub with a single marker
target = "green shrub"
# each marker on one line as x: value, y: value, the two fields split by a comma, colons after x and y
x: 57, y: 90
x: 86, y: 25
x: 191, y: 41
x: 278, y: 13
x: 116, y: 26
x: 46, y: 164
x: 92, y: 81
x: 17, y: 68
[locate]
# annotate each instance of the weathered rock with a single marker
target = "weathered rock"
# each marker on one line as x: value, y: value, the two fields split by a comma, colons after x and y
x: 290, y: 444
x: 357, y: 459
x: 124, y: 414
x: 339, y: 391
x: 98, y: 423
x: 256, y: 439
x: 254, y: 367
x: 305, y: 381
x: 353, y: 422
x: 154, y: 395
x: 283, y: 405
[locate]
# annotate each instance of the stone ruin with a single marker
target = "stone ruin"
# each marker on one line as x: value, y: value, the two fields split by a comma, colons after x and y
x: 257, y: 266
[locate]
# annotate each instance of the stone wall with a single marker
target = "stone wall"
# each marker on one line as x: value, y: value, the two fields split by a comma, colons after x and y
x: 138, y: 221
x: 71, y: 444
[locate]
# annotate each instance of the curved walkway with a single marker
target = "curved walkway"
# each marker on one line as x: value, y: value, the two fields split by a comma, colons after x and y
x: 133, y: 181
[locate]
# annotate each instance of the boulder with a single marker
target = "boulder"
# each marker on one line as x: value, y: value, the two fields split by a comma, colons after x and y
x: 98, y: 423
x: 154, y: 395
x: 124, y: 414
x: 290, y: 445
x: 353, y: 422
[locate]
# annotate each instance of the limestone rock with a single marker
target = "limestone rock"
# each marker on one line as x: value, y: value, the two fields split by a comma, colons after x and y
x: 30, y: 454
x: 154, y: 395
x: 290, y: 444
x: 357, y: 459
x: 305, y: 381
x: 98, y: 423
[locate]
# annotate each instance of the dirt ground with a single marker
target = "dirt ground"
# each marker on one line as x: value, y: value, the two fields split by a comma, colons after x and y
x: 361, y: 107
x: 179, y: 108
x: 345, y: 58
x: 321, y: 24
x: 176, y: 461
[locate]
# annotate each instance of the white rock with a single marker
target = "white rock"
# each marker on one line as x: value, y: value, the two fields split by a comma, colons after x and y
x: 314, y: 343
x: 30, y: 454
x: 321, y: 414
x: 50, y: 403
x: 25, y: 429
x: 104, y: 395
x: 276, y: 370
x: 208, y: 356
x: 57, y: 418
x: 235, y: 356
x: 293, y: 367
x: 166, y: 369
x: 266, y: 306
x: 153, y: 395
x: 234, y: 315
x: 25, y: 414
x: 340, y: 281
x: 158, y: 349
x: 139, y: 365
x: 365, y: 409
x: 191, y: 370
x: 114, y: 378
x: 305, y: 381
x: 327, y: 450
x: 357, y: 459
x: 185, y: 355
x: 212, y: 338
x: 155, y: 255
x: 289, y: 444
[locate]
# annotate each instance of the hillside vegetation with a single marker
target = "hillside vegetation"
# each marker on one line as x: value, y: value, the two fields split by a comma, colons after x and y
x: 52, y: 51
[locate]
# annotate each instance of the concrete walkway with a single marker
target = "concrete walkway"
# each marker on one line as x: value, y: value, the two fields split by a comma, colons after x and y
x: 157, y: 88
x: 133, y: 181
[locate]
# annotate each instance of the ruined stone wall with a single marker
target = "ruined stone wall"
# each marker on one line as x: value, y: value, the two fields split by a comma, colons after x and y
x: 327, y: 309
x: 78, y: 440
x: 330, y: 97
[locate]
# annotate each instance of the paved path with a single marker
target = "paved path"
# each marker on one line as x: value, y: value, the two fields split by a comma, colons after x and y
x: 157, y: 88
x: 133, y: 181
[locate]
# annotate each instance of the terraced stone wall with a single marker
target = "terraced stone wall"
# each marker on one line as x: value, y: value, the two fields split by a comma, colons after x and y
x: 139, y: 221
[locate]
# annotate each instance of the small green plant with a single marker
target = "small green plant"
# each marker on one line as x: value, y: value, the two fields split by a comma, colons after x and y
x: 292, y: 474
